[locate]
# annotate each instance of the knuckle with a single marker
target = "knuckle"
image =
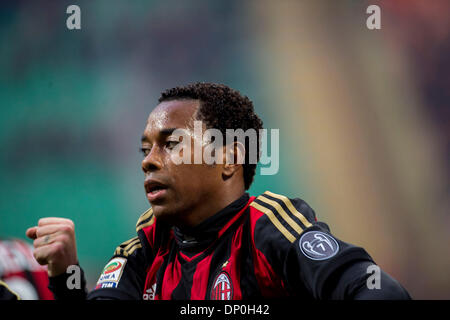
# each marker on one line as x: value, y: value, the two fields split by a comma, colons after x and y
x: 68, y: 227
x: 57, y: 247
x: 71, y: 224
x: 42, y: 221
x: 39, y: 258
x: 62, y: 238
x: 71, y: 227
x: 65, y: 228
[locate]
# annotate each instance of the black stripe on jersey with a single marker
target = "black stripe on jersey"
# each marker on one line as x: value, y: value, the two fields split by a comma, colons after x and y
x: 297, y: 209
x: 183, y: 289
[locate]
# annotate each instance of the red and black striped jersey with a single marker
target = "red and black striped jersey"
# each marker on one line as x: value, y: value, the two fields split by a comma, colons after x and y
x: 268, y: 246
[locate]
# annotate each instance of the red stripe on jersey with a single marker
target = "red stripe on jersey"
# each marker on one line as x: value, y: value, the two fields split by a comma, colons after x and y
x: 237, y: 216
x: 200, y: 280
x: 172, y: 276
x: 150, y: 280
x: 269, y: 282
x: 189, y: 259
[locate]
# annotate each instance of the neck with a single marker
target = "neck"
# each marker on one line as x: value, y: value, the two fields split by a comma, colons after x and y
x: 216, y: 202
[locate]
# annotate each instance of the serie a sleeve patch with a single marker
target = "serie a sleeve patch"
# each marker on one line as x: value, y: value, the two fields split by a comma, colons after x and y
x: 112, y: 273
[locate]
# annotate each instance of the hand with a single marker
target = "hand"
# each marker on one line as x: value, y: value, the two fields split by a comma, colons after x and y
x: 54, y: 243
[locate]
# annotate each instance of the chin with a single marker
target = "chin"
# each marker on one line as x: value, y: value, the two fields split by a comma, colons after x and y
x: 166, y: 214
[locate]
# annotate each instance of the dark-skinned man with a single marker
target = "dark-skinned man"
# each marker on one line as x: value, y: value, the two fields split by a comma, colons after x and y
x: 204, y: 237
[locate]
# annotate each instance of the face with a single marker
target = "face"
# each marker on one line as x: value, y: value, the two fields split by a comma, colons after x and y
x: 175, y: 191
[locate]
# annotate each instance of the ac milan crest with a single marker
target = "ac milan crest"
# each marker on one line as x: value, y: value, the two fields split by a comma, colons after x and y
x: 222, y: 288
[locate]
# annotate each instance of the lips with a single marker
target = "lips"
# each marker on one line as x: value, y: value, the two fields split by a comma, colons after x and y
x: 155, y: 190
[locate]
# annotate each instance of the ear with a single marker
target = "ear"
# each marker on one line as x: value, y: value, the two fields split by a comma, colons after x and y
x: 234, y: 158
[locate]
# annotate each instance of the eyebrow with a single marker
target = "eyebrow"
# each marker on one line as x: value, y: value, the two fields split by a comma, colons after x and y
x: 163, y: 132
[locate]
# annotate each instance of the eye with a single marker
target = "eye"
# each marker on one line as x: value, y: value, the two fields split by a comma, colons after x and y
x: 145, y: 151
x: 171, y: 144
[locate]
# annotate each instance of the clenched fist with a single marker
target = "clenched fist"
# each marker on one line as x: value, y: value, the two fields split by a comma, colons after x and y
x: 54, y: 244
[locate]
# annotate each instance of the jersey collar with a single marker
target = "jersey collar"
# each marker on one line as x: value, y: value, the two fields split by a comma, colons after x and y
x: 199, y: 237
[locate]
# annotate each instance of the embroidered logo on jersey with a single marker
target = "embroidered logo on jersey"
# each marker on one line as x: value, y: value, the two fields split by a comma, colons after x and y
x: 222, y: 288
x: 111, y: 273
x: 318, y: 245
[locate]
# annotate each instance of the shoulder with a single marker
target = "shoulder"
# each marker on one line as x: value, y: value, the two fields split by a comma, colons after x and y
x: 143, y: 238
x: 286, y: 217
x: 124, y: 274
x: 145, y: 219
x: 277, y: 222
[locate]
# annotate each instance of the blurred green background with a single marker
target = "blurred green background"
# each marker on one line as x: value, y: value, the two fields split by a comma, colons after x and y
x: 363, y: 115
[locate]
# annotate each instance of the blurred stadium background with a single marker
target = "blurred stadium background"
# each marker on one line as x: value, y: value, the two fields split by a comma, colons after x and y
x: 363, y: 115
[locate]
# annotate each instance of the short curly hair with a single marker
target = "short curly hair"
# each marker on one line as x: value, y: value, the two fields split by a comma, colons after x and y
x: 222, y: 108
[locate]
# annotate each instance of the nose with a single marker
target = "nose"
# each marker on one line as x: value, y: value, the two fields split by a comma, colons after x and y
x: 153, y: 161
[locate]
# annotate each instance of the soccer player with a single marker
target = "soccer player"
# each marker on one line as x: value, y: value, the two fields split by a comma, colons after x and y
x: 204, y: 237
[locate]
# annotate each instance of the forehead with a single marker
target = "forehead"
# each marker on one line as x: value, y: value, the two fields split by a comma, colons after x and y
x: 171, y: 114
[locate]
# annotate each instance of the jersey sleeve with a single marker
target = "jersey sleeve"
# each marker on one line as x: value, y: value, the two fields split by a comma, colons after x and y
x: 123, y: 277
x: 301, y: 250
x: 316, y: 259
